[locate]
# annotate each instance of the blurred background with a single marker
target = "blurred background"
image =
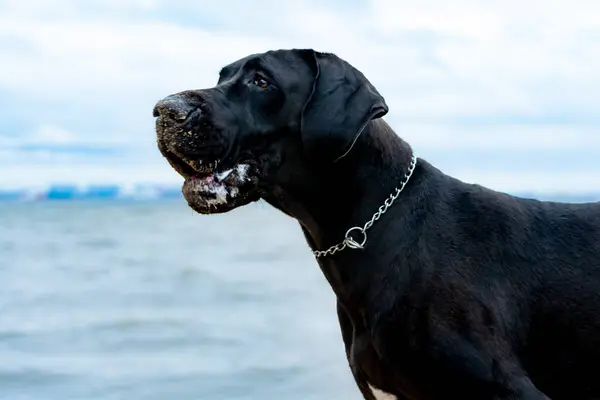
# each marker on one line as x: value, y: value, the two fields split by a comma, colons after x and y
x: 111, y: 288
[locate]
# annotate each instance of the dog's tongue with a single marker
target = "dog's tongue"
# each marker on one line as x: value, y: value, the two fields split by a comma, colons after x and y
x: 206, y: 178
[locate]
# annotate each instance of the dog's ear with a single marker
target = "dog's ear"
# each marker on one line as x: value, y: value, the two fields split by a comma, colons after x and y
x: 339, y: 107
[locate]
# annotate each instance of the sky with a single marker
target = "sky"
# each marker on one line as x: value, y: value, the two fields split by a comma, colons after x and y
x: 501, y: 93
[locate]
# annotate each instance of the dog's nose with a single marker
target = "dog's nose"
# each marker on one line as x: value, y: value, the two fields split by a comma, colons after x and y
x: 174, y: 107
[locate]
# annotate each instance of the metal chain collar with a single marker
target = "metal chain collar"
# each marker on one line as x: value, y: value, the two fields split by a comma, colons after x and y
x: 349, y: 241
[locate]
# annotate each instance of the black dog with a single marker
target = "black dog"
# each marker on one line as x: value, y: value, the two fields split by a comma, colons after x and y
x: 457, y: 291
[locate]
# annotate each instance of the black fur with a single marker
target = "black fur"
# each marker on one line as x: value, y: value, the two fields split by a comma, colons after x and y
x: 461, y: 291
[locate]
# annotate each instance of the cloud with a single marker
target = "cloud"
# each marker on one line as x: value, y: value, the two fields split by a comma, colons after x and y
x: 54, y: 134
x: 504, y: 138
x: 51, y: 144
x: 467, y: 82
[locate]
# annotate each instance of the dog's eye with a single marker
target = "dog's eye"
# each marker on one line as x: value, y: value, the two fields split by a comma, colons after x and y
x: 261, y: 82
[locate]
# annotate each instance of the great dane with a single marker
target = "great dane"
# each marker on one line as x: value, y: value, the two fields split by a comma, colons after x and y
x: 444, y: 289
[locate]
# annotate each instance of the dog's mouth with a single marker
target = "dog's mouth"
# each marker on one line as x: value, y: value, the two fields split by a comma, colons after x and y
x: 210, y: 189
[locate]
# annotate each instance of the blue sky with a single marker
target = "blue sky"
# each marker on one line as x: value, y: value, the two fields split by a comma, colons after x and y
x: 502, y: 93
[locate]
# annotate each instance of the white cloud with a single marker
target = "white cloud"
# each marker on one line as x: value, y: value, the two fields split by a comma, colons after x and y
x: 438, y: 64
x: 501, y: 137
x: 53, y: 134
x: 556, y: 182
x: 499, y: 56
x: 46, y: 137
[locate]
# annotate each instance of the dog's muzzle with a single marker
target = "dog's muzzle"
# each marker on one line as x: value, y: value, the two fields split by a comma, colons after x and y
x: 184, y: 126
x: 197, y: 150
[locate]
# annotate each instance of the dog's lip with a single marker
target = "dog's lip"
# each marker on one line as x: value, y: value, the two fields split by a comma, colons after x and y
x: 227, y: 177
x: 187, y: 166
x: 182, y: 167
x: 201, y: 170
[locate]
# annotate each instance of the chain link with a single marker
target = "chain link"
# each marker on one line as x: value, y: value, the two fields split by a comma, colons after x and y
x: 349, y: 241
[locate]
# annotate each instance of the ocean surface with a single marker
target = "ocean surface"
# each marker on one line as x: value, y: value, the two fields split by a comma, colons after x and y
x: 108, y: 300
x: 148, y: 300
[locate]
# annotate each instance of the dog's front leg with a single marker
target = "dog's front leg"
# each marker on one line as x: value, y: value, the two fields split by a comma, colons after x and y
x: 482, y: 362
x: 347, y: 336
x: 525, y: 391
x: 528, y: 394
x: 516, y: 386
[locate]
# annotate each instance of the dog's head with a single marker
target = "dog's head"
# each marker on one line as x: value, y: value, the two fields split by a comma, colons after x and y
x: 272, y: 119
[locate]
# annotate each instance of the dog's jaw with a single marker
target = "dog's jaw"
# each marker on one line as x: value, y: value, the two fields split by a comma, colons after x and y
x: 210, y: 186
x: 220, y: 192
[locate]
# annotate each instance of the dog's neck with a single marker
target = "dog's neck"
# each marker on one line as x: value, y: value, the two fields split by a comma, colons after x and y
x: 355, y: 186
x: 347, y: 193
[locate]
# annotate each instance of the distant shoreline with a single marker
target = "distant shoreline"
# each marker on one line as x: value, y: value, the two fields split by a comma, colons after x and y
x: 109, y: 192
x: 157, y: 192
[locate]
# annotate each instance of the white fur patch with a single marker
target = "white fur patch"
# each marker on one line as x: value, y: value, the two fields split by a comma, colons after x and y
x: 242, y: 171
x: 381, y: 395
x: 220, y: 192
x: 218, y: 185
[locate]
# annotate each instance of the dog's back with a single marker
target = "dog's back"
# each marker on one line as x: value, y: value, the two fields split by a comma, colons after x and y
x: 538, y: 264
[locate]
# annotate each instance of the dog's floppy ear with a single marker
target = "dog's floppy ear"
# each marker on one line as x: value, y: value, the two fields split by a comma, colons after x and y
x: 341, y: 104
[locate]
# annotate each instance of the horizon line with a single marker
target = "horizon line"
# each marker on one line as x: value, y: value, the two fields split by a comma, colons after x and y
x: 162, y: 190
